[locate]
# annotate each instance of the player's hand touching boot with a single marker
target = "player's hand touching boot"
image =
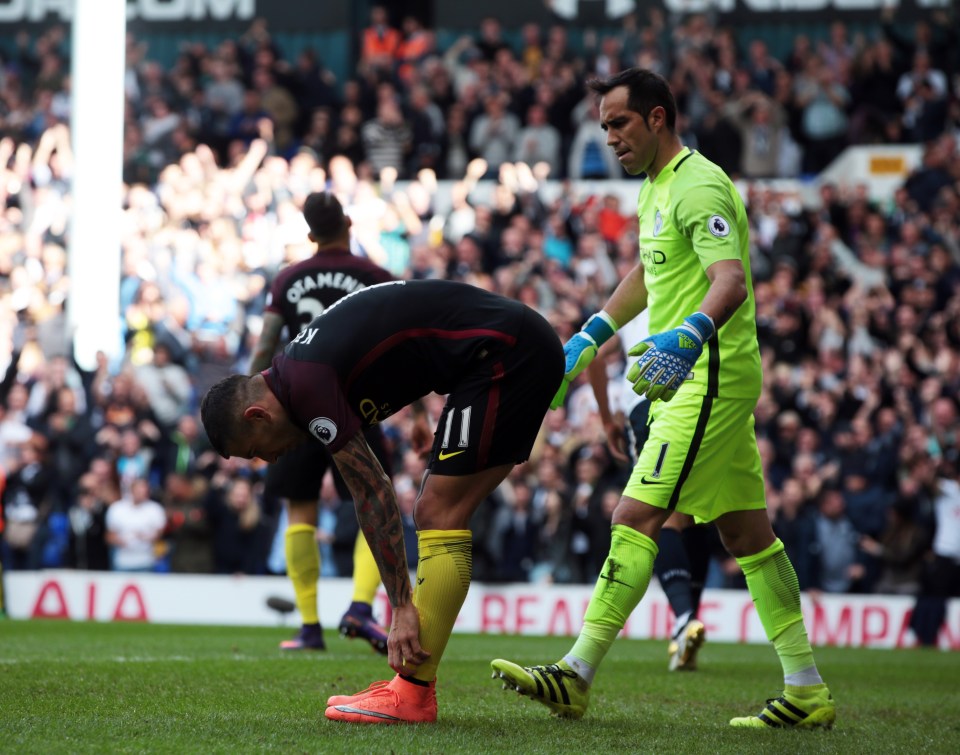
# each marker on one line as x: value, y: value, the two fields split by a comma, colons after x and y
x: 581, y: 349
x: 404, y: 652
x: 666, y: 359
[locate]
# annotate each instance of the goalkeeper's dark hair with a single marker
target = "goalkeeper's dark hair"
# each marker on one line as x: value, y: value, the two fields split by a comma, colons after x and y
x: 647, y: 90
x: 221, y: 410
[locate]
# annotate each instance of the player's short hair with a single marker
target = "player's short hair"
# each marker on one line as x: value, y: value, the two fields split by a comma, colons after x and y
x: 646, y: 88
x: 221, y: 410
x: 324, y: 215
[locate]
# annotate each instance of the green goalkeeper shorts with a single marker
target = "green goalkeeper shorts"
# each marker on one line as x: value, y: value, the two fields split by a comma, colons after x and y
x: 701, y: 458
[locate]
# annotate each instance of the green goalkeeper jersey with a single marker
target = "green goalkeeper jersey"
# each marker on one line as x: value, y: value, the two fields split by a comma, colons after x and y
x: 691, y: 216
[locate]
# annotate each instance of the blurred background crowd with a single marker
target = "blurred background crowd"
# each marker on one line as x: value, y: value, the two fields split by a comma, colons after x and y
x: 442, y: 157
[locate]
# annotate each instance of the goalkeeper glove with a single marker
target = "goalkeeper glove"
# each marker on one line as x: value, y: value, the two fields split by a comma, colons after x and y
x: 580, y: 350
x: 667, y: 358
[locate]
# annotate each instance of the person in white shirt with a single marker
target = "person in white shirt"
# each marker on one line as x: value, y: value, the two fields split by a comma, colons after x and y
x: 167, y: 384
x: 538, y: 141
x: 135, y: 524
x: 493, y: 134
x: 13, y: 434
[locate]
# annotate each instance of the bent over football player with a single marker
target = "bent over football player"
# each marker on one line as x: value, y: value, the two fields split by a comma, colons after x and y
x: 370, y: 354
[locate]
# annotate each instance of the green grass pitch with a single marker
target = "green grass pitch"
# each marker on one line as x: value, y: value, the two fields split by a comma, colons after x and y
x: 110, y: 688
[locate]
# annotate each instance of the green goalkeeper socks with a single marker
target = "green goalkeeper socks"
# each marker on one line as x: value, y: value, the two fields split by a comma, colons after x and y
x: 623, y: 581
x: 775, y: 590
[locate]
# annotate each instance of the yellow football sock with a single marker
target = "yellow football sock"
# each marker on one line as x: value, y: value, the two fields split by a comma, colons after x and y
x: 443, y: 578
x: 775, y: 590
x: 623, y: 581
x: 366, y: 575
x: 303, y: 568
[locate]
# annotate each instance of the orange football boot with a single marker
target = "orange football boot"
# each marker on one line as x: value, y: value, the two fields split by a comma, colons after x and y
x: 396, y: 702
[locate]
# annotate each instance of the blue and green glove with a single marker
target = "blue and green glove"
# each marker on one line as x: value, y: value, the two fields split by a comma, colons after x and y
x: 667, y: 358
x: 580, y: 350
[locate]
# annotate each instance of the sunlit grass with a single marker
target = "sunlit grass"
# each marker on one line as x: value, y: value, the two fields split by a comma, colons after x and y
x: 84, y: 687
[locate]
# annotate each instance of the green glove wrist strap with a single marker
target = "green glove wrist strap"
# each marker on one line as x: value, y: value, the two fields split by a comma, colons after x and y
x: 600, y: 327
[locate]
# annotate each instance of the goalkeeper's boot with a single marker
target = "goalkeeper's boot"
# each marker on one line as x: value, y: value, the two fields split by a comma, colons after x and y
x: 807, y: 707
x: 399, y: 701
x: 310, y: 637
x: 558, y: 686
x: 685, y: 645
x: 358, y: 622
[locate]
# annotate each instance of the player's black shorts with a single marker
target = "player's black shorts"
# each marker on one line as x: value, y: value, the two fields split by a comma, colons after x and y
x: 297, y: 474
x: 493, y: 415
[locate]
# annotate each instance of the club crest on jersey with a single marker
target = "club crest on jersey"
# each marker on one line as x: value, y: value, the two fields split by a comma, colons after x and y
x: 718, y: 226
x: 657, y: 223
x: 323, y: 429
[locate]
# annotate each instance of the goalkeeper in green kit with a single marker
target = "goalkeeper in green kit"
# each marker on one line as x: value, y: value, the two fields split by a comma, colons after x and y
x: 702, y: 373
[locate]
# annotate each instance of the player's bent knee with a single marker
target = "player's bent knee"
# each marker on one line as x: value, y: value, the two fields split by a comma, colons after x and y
x: 640, y: 516
x: 678, y: 521
x: 302, y: 511
x: 744, y: 533
x: 439, y: 514
x: 444, y: 507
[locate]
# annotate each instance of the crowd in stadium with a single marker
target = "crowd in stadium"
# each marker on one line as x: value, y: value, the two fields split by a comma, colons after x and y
x: 858, y: 303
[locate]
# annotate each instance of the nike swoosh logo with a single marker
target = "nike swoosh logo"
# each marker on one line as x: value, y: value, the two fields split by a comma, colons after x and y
x: 645, y: 481
x: 362, y: 712
x: 443, y: 455
x: 420, y: 581
x: 611, y: 579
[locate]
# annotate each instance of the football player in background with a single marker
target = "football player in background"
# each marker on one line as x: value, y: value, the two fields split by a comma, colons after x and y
x: 702, y: 373
x: 298, y: 294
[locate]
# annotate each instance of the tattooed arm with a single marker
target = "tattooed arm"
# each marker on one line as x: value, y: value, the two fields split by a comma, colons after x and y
x: 378, y: 514
x: 379, y: 517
